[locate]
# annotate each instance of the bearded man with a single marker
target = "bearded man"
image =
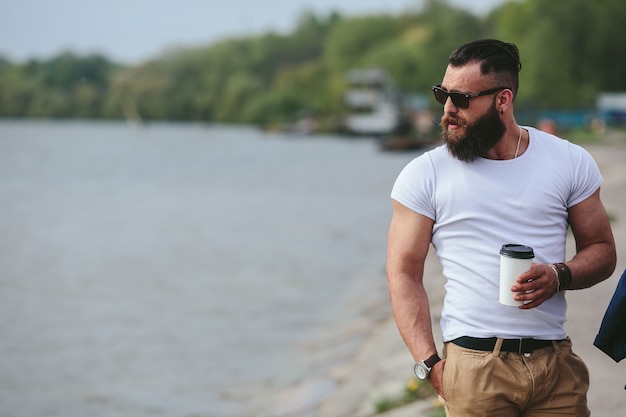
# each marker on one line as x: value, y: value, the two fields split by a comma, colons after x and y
x: 493, y: 183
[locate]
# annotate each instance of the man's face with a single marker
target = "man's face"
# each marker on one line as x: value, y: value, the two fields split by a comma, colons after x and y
x: 469, y: 133
x: 471, y: 140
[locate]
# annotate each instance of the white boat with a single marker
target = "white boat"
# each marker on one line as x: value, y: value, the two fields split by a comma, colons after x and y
x: 373, y: 101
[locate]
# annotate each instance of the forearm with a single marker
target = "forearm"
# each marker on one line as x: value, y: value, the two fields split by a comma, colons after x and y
x: 411, y: 311
x: 409, y: 240
x: 592, y: 264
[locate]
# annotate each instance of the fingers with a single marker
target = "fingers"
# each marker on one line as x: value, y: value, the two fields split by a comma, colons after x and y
x: 436, y: 378
x: 535, y: 286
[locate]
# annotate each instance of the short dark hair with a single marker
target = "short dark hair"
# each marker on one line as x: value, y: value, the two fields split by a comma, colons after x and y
x: 494, y: 56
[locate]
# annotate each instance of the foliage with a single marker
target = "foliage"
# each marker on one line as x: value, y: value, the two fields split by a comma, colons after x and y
x: 414, y: 390
x: 65, y: 86
x: 439, y: 411
x: 569, y: 49
x: 570, y: 52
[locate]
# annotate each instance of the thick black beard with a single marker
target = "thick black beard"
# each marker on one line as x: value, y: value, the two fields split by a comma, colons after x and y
x: 479, y: 137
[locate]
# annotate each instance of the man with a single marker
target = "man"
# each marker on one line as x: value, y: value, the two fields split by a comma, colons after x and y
x: 494, y: 183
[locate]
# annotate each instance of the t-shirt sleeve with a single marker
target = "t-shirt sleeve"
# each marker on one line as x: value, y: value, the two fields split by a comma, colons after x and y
x: 414, y: 187
x: 586, y: 176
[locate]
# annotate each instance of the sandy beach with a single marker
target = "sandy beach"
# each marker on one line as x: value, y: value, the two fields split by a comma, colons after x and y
x: 383, y: 365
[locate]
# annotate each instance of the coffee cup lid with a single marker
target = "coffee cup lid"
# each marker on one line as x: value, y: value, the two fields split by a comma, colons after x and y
x: 514, y: 250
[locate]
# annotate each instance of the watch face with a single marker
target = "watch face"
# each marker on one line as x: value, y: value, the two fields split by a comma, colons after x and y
x: 420, y: 371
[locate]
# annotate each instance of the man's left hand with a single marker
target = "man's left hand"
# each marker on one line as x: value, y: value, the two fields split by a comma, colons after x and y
x: 535, y: 286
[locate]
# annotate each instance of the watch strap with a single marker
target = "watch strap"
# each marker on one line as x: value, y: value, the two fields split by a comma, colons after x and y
x: 430, y: 362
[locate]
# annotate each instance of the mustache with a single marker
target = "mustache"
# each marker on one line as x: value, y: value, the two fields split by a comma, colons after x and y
x: 447, y: 119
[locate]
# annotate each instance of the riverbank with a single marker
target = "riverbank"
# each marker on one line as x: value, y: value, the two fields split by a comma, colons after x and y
x: 383, y: 365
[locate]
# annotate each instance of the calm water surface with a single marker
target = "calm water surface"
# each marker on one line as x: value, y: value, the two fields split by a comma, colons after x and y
x: 183, y: 270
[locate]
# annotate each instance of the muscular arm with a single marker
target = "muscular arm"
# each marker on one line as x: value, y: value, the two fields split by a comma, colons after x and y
x: 594, y: 261
x: 595, y: 257
x: 409, y: 239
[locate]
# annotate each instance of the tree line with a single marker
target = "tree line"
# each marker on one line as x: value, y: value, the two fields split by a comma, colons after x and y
x: 571, y: 50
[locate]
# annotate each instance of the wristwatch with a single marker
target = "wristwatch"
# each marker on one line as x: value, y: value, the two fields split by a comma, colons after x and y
x: 422, y: 368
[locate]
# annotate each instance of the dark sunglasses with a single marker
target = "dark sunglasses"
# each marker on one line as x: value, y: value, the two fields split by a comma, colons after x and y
x: 460, y: 100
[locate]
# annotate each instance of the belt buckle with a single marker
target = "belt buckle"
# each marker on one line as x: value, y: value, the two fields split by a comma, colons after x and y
x: 525, y: 346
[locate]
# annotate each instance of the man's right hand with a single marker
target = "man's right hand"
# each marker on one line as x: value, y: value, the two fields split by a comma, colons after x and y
x: 436, y: 377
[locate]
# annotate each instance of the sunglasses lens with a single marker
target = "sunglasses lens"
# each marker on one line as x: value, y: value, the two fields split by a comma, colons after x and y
x: 458, y: 99
x: 440, y: 95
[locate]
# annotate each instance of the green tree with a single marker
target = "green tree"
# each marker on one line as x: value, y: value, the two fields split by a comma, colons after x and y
x: 571, y: 51
x: 565, y: 48
x: 348, y: 40
x: 607, y: 38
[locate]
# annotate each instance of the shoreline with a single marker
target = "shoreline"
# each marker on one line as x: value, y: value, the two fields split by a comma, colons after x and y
x: 383, y: 365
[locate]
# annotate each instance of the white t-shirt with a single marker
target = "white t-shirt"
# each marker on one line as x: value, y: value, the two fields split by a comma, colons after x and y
x: 479, y: 206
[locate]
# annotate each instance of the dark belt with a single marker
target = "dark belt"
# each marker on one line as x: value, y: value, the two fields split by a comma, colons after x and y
x: 508, y: 345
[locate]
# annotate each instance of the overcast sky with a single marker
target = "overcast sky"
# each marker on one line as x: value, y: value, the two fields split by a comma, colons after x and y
x: 130, y: 31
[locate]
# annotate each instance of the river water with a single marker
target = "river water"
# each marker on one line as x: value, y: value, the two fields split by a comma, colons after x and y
x: 184, y: 269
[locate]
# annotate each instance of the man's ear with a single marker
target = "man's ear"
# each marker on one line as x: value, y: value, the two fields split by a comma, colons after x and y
x: 506, y: 97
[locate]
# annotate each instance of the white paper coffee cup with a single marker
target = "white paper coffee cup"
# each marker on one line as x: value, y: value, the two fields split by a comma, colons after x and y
x: 515, y: 259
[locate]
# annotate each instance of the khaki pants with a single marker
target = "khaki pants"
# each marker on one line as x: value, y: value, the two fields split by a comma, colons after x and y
x: 548, y: 382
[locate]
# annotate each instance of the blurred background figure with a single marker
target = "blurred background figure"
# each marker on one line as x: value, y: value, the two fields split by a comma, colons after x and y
x: 547, y: 125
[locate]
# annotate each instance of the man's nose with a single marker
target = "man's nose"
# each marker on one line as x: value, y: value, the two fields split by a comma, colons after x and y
x: 449, y: 107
